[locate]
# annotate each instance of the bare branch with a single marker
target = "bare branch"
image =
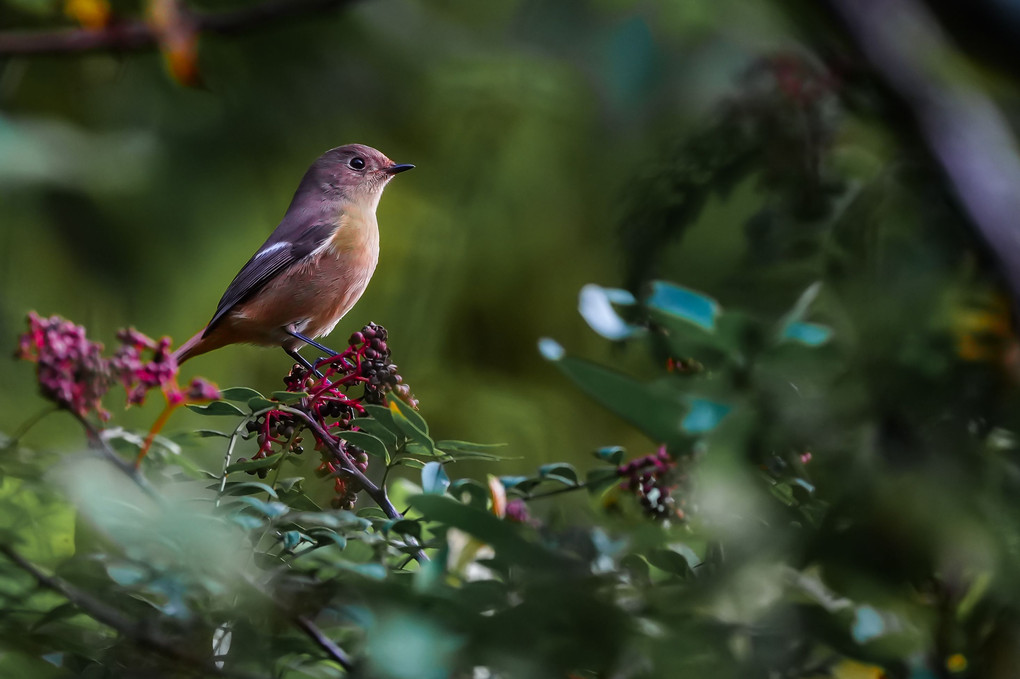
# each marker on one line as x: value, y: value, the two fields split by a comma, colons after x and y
x: 324, y: 642
x: 347, y: 464
x: 113, y: 618
x: 134, y: 35
x: 962, y: 126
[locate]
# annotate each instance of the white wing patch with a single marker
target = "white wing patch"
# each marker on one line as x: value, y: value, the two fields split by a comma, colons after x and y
x: 273, y: 248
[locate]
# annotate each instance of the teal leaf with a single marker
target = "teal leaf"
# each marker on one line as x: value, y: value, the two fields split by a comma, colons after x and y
x: 684, y: 303
x: 703, y: 416
x: 551, y: 349
x: 559, y: 471
x: 126, y: 574
x: 216, y: 408
x: 611, y: 454
x: 868, y: 624
x: 434, y: 480
x: 596, y: 308
x: 811, y: 334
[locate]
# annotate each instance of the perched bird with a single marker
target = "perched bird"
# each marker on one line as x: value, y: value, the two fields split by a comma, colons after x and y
x: 313, y: 267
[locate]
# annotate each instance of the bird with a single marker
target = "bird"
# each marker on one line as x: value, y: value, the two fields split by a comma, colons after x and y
x: 313, y: 267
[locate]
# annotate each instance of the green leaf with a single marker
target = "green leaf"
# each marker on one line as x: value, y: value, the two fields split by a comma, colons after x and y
x: 367, y: 442
x: 270, y: 510
x: 247, y: 488
x: 477, y: 493
x: 671, y: 562
x: 410, y: 414
x: 216, y: 408
x: 380, y: 431
x: 406, y: 527
x: 210, y: 433
x: 411, y: 462
x: 500, y: 535
x: 434, y: 480
x: 240, y: 394
x: 684, y: 303
x: 126, y: 574
x: 600, y: 477
x: 654, y: 407
x: 384, y: 416
x: 559, y: 471
x: 451, y: 446
x: 261, y: 403
x: 409, y: 428
x: 252, y: 465
x: 289, y: 397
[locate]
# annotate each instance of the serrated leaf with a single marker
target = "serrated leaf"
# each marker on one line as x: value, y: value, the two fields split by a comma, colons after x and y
x: 216, y: 408
x: 434, y: 480
x: 239, y: 394
x: 366, y: 442
x: 252, y: 465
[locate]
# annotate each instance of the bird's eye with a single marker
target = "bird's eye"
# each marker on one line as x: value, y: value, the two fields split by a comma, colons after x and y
x: 357, y: 163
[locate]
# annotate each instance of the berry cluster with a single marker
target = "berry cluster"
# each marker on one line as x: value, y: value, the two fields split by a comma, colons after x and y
x: 73, y: 373
x: 652, y: 479
x: 335, y: 401
x: 345, y: 487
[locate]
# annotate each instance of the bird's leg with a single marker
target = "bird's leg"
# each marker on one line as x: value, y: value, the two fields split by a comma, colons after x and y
x: 308, y: 340
x: 296, y: 355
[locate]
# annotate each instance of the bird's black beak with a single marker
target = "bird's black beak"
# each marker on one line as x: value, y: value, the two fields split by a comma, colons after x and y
x: 394, y: 169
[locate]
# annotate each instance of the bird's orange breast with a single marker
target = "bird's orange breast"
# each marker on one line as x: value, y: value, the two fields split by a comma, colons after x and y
x: 314, y: 293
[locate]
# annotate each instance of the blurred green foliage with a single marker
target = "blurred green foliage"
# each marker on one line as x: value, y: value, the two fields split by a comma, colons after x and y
x: 789, y: 299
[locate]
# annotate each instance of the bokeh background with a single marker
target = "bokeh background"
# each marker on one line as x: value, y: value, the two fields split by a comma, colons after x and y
x: 130, y: 199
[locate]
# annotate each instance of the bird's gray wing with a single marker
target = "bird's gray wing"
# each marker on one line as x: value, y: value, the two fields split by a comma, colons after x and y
x: 292, y: 241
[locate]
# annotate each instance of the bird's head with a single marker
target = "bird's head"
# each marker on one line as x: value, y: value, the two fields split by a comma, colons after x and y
x: 351, y: 173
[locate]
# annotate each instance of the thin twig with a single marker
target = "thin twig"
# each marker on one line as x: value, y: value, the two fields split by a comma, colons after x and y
x: 324, y: 642
x: 100, y: 444
x: 377, y: 493
x: 113, y: 618
x: 134, y: 35
x: 27, y: 425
